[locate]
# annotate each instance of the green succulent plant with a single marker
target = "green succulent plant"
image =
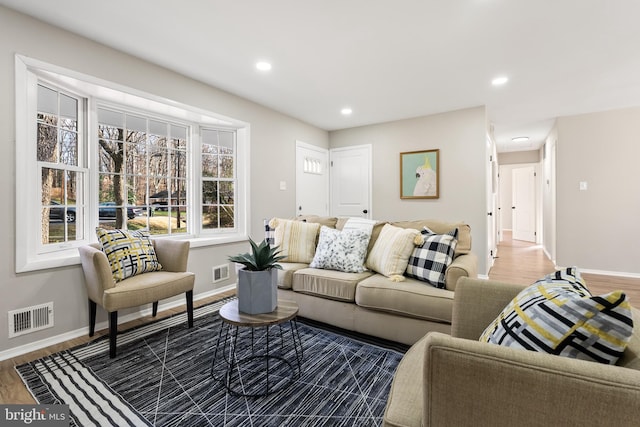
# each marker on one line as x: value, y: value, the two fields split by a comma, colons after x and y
x: 262, y: 257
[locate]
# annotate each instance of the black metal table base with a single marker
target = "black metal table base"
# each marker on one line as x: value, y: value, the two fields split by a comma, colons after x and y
x: 250, y: 362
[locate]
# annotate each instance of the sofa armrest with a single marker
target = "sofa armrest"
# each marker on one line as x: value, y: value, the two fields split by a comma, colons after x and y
x: 462, y: 266
x: 172, y: 254
x: 469, y: 383
x: 477, y: 303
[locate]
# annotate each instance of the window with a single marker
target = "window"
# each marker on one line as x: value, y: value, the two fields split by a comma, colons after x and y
x: 114, y: 157
x: 218, y: 179
x: 59, y: 119
x: 142, y: 179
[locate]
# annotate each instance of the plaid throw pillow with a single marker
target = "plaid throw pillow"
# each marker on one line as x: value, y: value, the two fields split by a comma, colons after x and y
x: 429, y: 262
x: 269, y: 233
x: 558, y: 315
x: 129, y: 252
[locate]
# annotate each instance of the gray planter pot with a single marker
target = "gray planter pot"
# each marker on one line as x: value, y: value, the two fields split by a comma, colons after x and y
x: 257, y: 291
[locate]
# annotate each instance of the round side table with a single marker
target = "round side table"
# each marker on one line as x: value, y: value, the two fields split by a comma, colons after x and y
x: 257, y: 354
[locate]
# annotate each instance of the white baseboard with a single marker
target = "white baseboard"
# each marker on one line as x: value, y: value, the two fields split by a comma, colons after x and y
x: 606, y: 273
x: 37, y: 345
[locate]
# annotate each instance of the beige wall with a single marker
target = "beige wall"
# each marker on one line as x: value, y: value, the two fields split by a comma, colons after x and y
x: 517, y: 157
x: 461, y: 138
x: 598, y: 229
x: 273, y: 137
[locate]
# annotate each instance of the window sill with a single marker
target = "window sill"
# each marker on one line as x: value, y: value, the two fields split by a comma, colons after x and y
x: 71, y: 257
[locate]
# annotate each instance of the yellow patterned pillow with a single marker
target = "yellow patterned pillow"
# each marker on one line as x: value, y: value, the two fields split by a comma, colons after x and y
x: 558, y: 315
x: 390, y: 253
x: 129, y: 252
x: 296, y: 239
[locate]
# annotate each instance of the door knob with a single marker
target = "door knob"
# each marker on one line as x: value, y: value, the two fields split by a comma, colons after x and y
x: 365, y: 211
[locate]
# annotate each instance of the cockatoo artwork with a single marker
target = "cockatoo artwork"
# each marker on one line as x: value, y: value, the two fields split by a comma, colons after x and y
x: 426, y: 184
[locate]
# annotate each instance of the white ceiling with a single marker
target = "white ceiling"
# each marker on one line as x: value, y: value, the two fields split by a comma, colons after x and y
x: 387, y: 60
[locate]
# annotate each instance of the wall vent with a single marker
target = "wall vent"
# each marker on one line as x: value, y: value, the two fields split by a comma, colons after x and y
x: 220, y: 273
x: 30, y: 319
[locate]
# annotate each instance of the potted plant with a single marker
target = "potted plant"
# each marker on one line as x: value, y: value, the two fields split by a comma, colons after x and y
x: 257, y: 287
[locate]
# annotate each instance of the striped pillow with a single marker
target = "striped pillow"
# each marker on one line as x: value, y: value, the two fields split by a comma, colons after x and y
x: 129, y: 252
x: 390, y: 253
x: 558, y: 315
x: 296, y: 239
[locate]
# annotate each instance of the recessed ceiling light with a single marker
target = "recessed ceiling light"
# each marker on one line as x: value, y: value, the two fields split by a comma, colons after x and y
x: 263, y: 66
x: 499, y: 81
x: 520, y: 139
x: 346, y: 111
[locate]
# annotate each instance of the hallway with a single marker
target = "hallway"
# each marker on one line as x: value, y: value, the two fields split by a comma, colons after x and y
x: 524, y: 263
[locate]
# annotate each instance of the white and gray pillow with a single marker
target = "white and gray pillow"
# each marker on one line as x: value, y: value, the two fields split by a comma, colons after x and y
x: 341, y: 250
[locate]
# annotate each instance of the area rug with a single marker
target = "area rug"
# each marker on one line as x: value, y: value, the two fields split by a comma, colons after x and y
x: 162, y: 376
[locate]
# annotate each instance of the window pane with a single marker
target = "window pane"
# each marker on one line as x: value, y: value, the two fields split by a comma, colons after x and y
x: 226, y: 142
x: 179, y: 133
x: 137, y: 137
x: 68, y: 107
x: 226, y: 217
x: 136, y: 159
x: 111, y: 155
x: 47, y: 100
x: 209, y: 217
x: 209, y: 165
x: 209, y: 192
x: 226, y: 167
x: 69, y: 149
x: 136, y: 124
x: 227, y: 196
x: 158, y: 165
x: 47, y: 143
x: 178, y: 164
x: 210, y: 137
x: 137, y: 190
x: 180, y: 225
x: 178, y: 192
x: 110, y: 118
x: 158, y: 128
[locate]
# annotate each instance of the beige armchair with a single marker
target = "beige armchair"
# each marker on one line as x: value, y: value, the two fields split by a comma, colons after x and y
x: 458, y: 381
x: 138, y: 290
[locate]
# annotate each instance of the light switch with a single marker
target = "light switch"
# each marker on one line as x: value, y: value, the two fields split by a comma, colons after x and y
x: 583, y: 185
x: 283, y: 185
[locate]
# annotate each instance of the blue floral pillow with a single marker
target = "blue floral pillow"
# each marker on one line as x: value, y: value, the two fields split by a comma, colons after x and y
x: 341, y: 250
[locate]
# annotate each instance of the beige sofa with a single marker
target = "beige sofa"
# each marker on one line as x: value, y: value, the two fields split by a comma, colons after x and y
x: 458, y: 381
x: 371, y: 303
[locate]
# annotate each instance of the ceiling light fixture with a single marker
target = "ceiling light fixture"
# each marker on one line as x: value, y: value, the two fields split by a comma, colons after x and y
x: 520, y: 139
x: 346, y: 111
x: 263, y: 66
x: 499, y: 81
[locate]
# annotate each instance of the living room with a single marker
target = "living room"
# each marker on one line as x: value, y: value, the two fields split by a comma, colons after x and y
x: 596, y: 146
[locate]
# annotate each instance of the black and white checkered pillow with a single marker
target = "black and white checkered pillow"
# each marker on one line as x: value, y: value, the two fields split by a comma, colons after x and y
x: 429, y: 261
x: 269, y: 233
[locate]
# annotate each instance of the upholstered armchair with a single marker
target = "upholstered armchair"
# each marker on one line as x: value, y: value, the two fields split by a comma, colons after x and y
x: 140, y: 289
x: 458, y: 381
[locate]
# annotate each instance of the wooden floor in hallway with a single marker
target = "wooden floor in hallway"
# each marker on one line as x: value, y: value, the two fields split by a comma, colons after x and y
x: 525, y: 262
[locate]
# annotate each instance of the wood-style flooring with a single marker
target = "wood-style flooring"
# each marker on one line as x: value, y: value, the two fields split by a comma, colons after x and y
x: 516, y: 262
x: 524, y: 263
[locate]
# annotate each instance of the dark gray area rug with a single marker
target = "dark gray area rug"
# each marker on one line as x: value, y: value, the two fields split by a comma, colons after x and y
x: 162, y: 377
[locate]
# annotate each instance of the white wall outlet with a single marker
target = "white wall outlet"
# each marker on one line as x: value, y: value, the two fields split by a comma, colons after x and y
x: 283, y: 185
x: 583, y: 185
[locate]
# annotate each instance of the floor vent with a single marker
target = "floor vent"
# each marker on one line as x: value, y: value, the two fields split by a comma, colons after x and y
x: 220, y: 273
x: 30, y: 319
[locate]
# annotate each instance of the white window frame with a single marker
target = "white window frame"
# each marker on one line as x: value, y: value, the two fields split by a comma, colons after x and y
x: 28, y: 72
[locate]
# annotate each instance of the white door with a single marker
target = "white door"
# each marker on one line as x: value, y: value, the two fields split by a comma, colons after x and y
x: 312, y: 180
x: 351, y: 181
x: 524, y: 204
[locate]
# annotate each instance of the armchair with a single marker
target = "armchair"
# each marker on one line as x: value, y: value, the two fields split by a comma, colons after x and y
x: 458, y: 381
x: 137, y: 290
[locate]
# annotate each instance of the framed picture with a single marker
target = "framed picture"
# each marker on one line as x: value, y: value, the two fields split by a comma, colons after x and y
x: 420, y: 174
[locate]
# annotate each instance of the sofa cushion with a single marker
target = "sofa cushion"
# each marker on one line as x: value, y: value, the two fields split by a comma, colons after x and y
x: 558, y: 315
x: 296, y: 239
x: 390, y: 253
x: 341, y: 250
x: 285, y: 274
x: 429, y: 261
x: 328, y: 283
x: 129, y: 252
x: 441, y: 227
x: 409, y: 298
